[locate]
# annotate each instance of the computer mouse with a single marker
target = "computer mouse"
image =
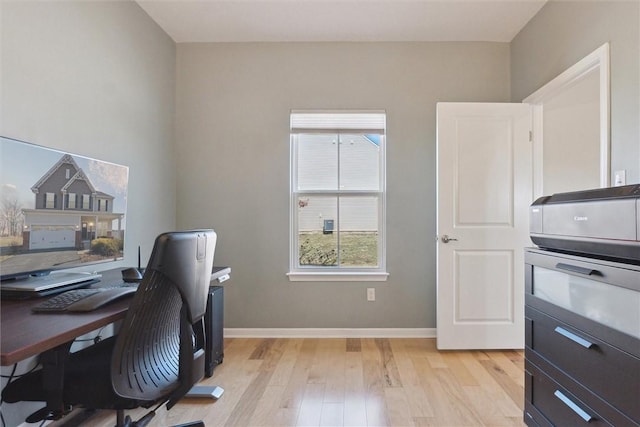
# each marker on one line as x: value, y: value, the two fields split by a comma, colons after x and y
x: 131, y: 275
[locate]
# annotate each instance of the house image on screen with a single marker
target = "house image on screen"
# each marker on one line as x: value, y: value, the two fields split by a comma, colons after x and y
x: 69, y: 212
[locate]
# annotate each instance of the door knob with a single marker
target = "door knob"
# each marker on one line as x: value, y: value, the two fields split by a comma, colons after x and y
x: 447, y: 239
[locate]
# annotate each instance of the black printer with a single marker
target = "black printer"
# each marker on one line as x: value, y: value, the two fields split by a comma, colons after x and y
x: 602, y: 222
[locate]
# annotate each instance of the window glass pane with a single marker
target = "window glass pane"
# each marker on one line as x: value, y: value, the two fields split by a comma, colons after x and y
x: 360, y: 162
x: 317, y: 238
x: 358, y: 228
x: 50, y: 199
x: 317, y: 162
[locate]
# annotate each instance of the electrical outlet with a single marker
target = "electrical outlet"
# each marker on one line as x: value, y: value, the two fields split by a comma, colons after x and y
x: 371, y: 294
x: 620, y: 178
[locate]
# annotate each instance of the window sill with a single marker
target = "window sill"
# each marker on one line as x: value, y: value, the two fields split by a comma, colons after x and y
x: 342, y: 276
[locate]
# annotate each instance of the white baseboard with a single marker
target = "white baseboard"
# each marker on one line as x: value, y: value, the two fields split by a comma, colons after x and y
x: 330, y: 332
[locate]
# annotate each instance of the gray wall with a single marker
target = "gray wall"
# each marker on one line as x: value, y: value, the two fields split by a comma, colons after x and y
x: 232, y: 149
x: 97, y: 79
x: 561, y: 34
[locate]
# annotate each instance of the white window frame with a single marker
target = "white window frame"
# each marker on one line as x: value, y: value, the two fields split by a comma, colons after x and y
x: 336, y: 273
x: 86, y: 201
x: 71, y: 201
x: 103, y: 205
x: 50, y: 201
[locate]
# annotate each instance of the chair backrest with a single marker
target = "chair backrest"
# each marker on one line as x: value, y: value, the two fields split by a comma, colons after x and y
x: 159, y: 350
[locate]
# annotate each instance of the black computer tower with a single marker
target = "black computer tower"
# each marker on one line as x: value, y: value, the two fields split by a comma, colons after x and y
x: 214, y: 324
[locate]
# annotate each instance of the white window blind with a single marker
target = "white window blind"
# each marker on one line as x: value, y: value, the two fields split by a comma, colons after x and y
x: 320, y: 122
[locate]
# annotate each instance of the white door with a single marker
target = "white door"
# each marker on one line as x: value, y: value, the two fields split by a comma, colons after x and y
x: 484, y: 192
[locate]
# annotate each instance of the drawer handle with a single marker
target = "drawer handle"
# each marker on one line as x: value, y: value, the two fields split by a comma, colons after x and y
x: 577, y: 269
x: 573, y: 337
x: 575, y: 408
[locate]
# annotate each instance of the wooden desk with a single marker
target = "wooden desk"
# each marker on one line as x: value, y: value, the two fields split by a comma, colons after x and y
x: 25, y: 334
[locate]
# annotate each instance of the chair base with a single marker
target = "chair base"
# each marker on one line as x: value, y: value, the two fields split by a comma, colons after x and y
x: 211, y: 392
x: 126, y: 421
x: 45, y: 414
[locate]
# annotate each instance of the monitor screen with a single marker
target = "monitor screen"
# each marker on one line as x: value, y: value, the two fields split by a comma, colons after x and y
x: 58, y: 210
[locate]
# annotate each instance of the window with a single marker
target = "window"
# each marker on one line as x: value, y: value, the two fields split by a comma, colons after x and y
x: 86, y: 204
x: 103, y: 205
x: 71, y: 201
x: 50, y: 200
x: 337, y: 196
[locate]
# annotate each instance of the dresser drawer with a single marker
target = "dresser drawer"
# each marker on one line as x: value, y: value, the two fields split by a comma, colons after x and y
x: 559, y: 406
x: 605, y: 370
x: 533, y: 417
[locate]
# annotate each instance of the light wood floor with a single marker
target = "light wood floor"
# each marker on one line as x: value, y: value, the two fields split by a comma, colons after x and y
x: 354, y: 382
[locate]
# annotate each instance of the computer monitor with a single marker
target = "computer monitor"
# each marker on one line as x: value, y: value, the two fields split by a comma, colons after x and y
x: 58, y: 210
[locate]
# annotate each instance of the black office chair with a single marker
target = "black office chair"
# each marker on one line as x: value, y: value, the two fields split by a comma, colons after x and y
x: 158, y: 353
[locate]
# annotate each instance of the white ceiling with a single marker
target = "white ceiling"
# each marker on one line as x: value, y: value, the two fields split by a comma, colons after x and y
x: 341, y: 20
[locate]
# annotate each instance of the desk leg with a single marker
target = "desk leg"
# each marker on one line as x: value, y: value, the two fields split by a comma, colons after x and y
x: 53, y: 362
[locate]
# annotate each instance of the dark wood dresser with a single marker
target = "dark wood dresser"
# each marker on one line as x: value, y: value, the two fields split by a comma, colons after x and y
x: 582, y: 337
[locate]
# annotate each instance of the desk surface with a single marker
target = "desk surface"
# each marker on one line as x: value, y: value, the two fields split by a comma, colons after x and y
x: 24, y: 334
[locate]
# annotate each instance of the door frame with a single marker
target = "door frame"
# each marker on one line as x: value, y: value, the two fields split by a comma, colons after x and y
x: 596, y: 60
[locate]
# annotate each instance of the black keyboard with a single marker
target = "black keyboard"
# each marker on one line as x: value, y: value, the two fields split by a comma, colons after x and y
x: 61, y: 301
x: 64, y: 301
